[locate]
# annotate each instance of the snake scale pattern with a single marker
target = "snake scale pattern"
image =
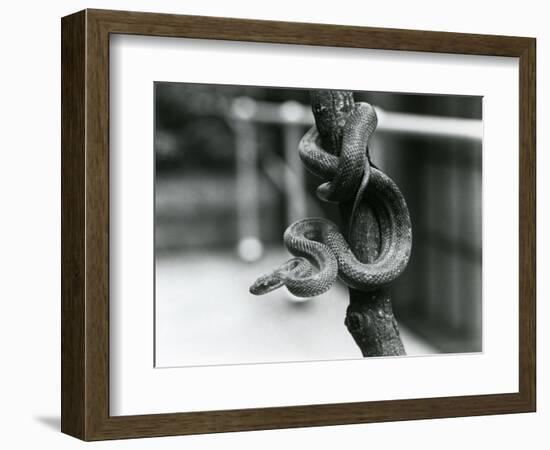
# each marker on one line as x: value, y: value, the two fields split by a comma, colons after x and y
x: 321, y: 252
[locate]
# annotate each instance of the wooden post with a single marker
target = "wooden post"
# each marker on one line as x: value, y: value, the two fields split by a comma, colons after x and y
x: 369, y: 316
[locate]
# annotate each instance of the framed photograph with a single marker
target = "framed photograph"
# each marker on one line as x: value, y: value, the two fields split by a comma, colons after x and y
x: 270, y: 224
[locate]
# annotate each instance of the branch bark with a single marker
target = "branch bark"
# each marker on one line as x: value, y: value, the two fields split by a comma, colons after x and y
x: 369, y: 316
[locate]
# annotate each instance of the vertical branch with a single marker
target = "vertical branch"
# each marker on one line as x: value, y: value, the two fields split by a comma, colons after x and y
x: 369, y: 316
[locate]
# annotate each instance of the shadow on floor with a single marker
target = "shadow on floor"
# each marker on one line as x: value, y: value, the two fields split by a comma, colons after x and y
x: 51, y: 422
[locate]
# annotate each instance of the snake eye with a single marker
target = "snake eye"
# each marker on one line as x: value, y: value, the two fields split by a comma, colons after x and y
x: 293, y: 264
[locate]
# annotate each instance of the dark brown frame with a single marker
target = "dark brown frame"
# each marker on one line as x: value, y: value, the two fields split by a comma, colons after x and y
x: 85, y: 224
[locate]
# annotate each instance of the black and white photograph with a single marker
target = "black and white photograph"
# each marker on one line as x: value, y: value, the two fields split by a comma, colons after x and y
x: 267, y: 226
x: 315, y: 224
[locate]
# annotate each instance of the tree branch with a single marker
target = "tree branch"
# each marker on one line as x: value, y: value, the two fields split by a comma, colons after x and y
x: 369, y: 316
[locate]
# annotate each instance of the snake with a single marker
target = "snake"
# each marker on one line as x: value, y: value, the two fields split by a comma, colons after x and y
x: 321, y: 252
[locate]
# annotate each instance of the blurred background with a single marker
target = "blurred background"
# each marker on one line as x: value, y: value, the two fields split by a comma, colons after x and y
x: 228, y: 183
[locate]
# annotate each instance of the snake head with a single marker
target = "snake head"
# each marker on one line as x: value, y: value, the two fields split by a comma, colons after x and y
x: 266, y: 283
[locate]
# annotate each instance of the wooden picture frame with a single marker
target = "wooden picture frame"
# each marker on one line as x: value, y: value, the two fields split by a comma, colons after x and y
x: 85, y: 224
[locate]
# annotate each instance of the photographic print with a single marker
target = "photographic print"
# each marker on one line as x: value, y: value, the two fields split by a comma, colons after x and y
x: 304, y: 229
x: 315, y: 225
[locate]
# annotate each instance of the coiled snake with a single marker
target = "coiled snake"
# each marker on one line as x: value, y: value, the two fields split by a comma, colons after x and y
x: 321, y: 252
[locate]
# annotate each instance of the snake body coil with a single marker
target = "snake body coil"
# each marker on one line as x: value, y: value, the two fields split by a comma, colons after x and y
x: 322, y: 253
